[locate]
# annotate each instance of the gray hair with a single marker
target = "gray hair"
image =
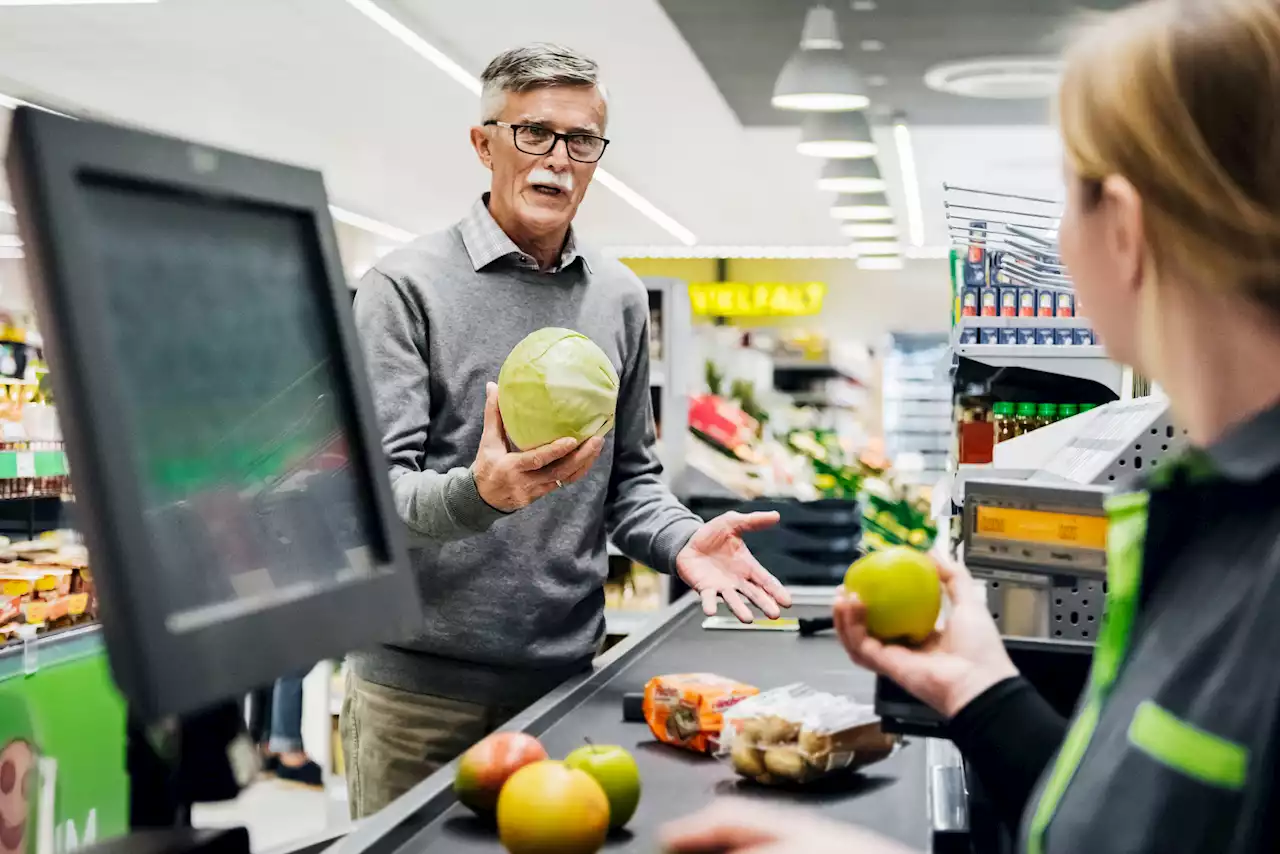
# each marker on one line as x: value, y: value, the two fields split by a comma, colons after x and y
x: 534, y: 66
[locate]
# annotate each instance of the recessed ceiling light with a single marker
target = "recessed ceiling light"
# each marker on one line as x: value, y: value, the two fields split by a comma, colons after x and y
x: 863, y: 5
x: 872, y: 45
x: 881, y: 262
x: 999, y: 77
x: 836, y: 135
x: 869, y: 229
x: 851, y: 176
x: 471, y: 83
x: 862, y: 207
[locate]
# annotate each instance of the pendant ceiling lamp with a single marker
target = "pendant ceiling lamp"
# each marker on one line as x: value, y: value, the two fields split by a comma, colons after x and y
x: 817, y: 77
x: 851, y: 176
x: 862, y: 207
x: 836, y: 135
x: 869, y: 229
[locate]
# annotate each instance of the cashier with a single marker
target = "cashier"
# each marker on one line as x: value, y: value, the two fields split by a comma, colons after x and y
x: 512, y: 560
x: 1172, y: 236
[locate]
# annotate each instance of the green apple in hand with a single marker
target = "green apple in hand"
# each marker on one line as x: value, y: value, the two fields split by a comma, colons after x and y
x: 616, y: 772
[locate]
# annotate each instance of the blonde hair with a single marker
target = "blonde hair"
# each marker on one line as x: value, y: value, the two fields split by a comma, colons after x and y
x: 1182, y: 99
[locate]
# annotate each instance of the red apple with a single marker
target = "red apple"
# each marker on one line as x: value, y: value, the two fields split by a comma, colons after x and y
x: 489, y: 763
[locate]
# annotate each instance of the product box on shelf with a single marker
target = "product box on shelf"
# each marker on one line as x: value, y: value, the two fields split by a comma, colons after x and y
x: 1008, y: 336
x: 1064, y: 336
x: 1083, y: 336
x: 1026, y: 336
x: 1066, y: 304
x: 969, y: 303
x: 969, y: 336
x: 1044, y: 336
x: 988, y: 336
x: 1045, y: 303
x: 1008, y: 302
x: 989, y: 299
x: 1026, y: 302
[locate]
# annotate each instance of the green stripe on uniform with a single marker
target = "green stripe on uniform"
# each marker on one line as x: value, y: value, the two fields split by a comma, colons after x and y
x: 1186, y: 748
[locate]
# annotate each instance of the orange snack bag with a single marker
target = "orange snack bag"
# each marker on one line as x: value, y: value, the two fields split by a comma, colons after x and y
x: 687, y: 709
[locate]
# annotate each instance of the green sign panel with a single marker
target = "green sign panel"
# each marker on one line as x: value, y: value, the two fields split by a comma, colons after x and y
x: 63, y: 784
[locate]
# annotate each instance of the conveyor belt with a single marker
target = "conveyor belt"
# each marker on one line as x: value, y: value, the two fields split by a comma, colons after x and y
x: 889, y: 797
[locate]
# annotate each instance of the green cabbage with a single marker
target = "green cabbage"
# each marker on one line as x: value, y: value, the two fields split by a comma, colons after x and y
x: 556, y: 383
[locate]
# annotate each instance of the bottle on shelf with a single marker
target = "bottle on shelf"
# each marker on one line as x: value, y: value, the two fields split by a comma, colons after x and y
x: 1066, y: 410
x: 1005, y: 428
x: 977, y: 434
x: 1046, y: 414
x: 1025, y: 420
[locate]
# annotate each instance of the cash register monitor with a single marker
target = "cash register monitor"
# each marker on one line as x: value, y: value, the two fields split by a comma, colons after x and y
x: 221, y: 436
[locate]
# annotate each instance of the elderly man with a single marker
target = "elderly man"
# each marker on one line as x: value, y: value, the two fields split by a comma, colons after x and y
x: 513, y: 569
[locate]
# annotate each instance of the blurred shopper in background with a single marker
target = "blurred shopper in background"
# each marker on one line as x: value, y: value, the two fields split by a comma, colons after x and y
x: 276, y: 724
x: 513, y: 564
x: 1168, y: 112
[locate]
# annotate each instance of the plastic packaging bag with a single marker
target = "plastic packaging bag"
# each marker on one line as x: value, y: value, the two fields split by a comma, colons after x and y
x: 795, y: 734
x: 686, y: 709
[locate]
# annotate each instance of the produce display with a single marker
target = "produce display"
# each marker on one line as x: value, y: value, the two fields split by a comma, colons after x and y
x: 796, y: 735
x: 901, y: 591
x: 893, y: 516
x: 45, y: 584
x: 556, y: 383
x: 687, y: 709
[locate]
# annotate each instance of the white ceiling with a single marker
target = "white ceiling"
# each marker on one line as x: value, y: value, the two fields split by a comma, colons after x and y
x: 317, y: 83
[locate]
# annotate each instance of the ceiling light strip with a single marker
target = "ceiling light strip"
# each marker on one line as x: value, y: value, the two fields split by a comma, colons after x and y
x: 370, y: 224
x: 910, y: 181
x: 471, y: 83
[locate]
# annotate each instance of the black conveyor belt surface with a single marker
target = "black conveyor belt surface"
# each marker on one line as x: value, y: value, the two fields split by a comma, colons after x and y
x: 888, y: 797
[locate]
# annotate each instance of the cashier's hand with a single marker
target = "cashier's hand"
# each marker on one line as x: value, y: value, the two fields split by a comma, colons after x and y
x: 508, y: 480
x: 750, y: 827
x: 954, y: 665
x: 718, y: 564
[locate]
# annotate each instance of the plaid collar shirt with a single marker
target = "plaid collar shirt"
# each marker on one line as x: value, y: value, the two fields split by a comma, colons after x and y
x: 487, y: 243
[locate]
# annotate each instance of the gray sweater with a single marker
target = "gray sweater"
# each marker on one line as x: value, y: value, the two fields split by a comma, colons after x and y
x: 514, y: 602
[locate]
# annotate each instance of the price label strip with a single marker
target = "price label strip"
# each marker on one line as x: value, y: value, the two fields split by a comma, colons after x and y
x: 730, y: 623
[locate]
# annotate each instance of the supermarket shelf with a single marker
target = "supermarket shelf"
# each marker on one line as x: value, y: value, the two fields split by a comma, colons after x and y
x: 817, y: 369
x: 620, y: 622
x: 15, y: 464
x: 1084, y: 362
x: 1025, y: 323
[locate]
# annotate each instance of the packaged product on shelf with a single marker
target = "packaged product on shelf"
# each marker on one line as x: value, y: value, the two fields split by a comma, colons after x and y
x: 969, y: 303
x: 1026, y: 336
x: 1005, y: 426
x: 1045, y: 303
x: 687, y: 709
x: 998, y: 264
x: 976, y: 435
x: 1044, y: 336
x: 1066, y: 304
x: 1046, y: 414
x: 975, y: 264
x: 1066, y: 410
x: 1008, y: 302
x: 1008, y: 336
x: 795, y: 735
x: 969, y: 335
x: 1064, y: 337
x: 988, y: 335
x: 989, y: 301
x: 1025, y: 420
x: 1083, y: 337
x: 1026, y: 302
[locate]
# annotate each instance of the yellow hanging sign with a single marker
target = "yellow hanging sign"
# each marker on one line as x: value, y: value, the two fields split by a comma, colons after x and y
x: 758, y: 299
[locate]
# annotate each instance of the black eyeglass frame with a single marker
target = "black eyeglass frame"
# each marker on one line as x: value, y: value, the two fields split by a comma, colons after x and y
x: 555, y: 140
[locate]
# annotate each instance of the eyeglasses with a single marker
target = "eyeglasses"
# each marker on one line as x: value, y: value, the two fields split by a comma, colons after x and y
x: 535, y: 139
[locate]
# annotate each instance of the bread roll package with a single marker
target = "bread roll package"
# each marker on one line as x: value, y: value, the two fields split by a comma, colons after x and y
x: 687, y: 709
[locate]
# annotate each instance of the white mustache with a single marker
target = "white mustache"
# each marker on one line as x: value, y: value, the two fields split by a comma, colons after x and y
x: 563, y: 180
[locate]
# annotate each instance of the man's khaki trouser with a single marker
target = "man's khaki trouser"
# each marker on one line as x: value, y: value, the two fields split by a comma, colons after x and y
x: 393, y: 740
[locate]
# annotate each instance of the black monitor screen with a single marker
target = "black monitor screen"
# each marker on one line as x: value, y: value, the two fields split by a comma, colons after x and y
x: 224, y: 353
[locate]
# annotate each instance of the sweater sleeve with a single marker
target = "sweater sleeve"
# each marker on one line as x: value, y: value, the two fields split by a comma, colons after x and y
x: 1009, y: 734
x: 643, y: 517
x: 440, y: 506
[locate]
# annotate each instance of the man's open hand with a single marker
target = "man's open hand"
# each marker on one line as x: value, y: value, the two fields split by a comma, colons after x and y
x: 718, y: 564
x: 508, y: 480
